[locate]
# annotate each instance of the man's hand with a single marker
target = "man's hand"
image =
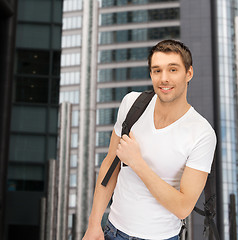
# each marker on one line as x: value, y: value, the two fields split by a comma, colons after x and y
x: 94, y: 233
x: 128, y: 151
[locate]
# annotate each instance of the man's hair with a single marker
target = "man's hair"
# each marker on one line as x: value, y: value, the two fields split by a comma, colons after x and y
x: 168, y: 46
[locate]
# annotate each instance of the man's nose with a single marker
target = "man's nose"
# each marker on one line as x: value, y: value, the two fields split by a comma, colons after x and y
x: 164, y: 76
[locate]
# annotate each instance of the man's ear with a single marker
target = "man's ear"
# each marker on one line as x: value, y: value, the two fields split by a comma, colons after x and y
x: 189, y: 74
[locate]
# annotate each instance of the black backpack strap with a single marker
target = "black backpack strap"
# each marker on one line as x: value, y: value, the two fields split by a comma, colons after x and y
x: 132, y: 116
x: 183, y: 235
x: 209, y: 210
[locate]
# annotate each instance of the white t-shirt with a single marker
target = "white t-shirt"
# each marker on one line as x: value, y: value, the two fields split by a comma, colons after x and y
x: 190, y: 141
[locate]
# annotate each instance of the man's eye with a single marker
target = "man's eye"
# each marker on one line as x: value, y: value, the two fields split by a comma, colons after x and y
x: 173, y: 70
x: 156, y: 71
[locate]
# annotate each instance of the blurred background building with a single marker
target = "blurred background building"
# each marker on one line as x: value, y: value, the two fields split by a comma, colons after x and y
x: 30, y: 67
x: 114, y: 38
x: 104, y: 47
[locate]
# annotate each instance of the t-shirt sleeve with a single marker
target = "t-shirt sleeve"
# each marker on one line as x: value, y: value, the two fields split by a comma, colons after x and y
x: 125, y: 105
x: 202, y: 154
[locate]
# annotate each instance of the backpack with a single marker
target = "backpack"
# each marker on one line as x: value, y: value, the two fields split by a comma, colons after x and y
x: 132, y: 116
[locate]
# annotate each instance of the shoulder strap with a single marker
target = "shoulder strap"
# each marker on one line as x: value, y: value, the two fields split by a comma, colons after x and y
x: 132, y: 116
x: 209, y: 211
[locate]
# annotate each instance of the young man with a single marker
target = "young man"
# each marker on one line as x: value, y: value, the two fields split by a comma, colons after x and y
x: 169, y: 153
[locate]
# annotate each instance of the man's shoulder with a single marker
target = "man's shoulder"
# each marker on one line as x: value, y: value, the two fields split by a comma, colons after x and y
x: 129, y: 99
x: 131, y: 96
x: 198, y: 121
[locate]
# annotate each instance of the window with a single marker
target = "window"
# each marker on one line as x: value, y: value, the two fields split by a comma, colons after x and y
x: 103, y: 139
x: 74, y: 140
x: 99, y: 158
x: 34, y: 90
x: 72, y: 5
x: 110, y: 3
x: 139, y: 16
x: 73, y: 160
x: 123, y: 74
x: 33, y: 36
x: 75, y: 118
x: 117, y: 94
x: 71, y: 96
x: 27, y: 148
x: 25, y: 177
x: 72, y: 200
x: 137, y: 35
x: 68, y: 78
x: 107, y: 116
x: 37, y: 11
x: 70, y: 59
x: 55, y: 83
x: 28, y: 119
x: 56, y: 63
x: 33, y: 62
x: 72, y: 22
x: 121, y: 55
x: 71, y: 41
x: 73, y: 180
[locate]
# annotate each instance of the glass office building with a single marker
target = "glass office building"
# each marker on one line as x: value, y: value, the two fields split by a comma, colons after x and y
x: 227, y: 79
x: 34, y: 129
x: 105, y: 46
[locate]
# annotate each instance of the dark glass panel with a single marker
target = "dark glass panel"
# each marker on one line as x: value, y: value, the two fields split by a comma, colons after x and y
x: 25, y: 177
x: 33, y: 36
x: 28, y: 119
x: 33, y: 90
x: 58, y: 11
x: 55, y: 90
x: 56, y: 63
x: 32, y: 62
x: 27, y: 148
x: 23, y: 232
x: 26, y: 185
x: 53, y: 120
x: 52, y: 147
x: 37, y: 10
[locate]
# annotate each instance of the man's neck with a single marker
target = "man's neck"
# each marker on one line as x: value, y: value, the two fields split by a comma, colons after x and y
x: 167, y: 113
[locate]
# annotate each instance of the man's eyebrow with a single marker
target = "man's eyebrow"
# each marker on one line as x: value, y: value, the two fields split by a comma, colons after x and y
x: 174, y: 64
x: 170, y: 64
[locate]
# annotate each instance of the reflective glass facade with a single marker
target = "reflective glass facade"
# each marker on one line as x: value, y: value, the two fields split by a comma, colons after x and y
x: 116, y: 94
x: 226, y: 11
x: 114, y: 3
x: 122, y: 55
x: 36, y: 94
x: 138, y: 35
x: 123, y: 74
x: 139, y: 16
x: 35, y: 98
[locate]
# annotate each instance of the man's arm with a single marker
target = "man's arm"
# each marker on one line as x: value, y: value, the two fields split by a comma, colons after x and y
x: 102, y: 195
x: 179, y: 202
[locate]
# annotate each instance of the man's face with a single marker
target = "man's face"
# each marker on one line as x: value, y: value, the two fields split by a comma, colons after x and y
x: 169, y: 77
